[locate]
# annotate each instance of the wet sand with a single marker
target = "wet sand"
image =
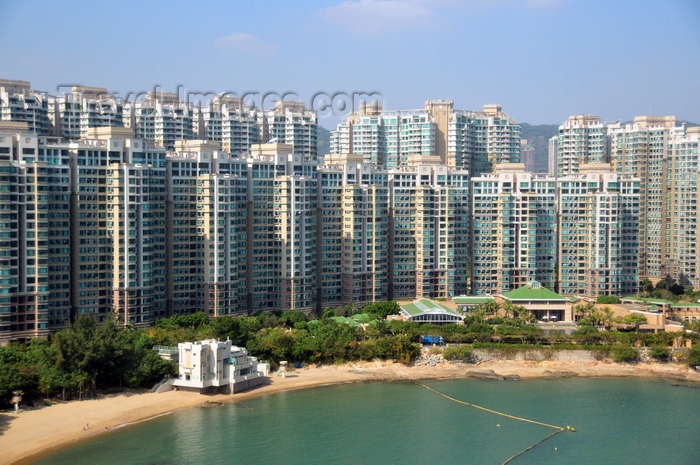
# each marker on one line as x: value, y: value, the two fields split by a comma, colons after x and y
x: 32, y: 433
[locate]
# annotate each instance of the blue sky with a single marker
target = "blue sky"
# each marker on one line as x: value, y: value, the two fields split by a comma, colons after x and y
x: 542, y: 60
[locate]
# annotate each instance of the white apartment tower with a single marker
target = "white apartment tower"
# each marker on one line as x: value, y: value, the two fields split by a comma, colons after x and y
x: 160, y: 119
x: 581, y: 139
x: 228, y: 121
x: 290, y: 123
x: 20, y: 104
x: 470, y: 140
x: 74, y: 114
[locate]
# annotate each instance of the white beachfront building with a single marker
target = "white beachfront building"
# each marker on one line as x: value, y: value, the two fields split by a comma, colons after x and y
x: 215, y: 365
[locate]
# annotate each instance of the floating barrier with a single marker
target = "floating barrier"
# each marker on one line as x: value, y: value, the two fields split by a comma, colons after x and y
x: 558, y: 429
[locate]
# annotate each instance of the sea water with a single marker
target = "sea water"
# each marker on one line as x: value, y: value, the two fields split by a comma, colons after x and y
x: 617, y: 421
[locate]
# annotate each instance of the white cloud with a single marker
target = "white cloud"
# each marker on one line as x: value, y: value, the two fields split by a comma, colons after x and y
x: 243, y: 42
x: 375, y: 16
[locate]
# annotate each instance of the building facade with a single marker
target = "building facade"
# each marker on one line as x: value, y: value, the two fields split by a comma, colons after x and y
x: 599, y: 232
x: 514, y: 230
x: 474, y: 141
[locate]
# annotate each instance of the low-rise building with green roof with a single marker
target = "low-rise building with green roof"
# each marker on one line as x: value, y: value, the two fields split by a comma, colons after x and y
x: 429, y: 311
x: 688, y: 312
x: 466, y: 303
x: 547, y: 305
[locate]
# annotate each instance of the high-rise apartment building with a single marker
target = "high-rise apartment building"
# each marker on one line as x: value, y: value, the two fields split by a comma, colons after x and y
x: 365, y: 240
x: 514, y: 232
x: 290, y: 123
x: 581, y: 139
x: 160, y: 119
x: 679, y: 238
x: 640, y: 149
x: 470, y: 140
x: 24, y: 232
x: 222, y: 224
x: 429, y: 231
x: 74, y: 114
x: 228, y: 121
x: 136, y: 222
x: 20, y: 104
x: 599, y: 214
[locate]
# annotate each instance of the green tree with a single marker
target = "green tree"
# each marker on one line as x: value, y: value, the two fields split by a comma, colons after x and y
x: 660, y: 353
x: 692, y: 356
x: 380, y: 310
x: 272, y: 344
x: 459, y: 353
x: 291, y: 317
x: 624, y: 354
x: 646, y: 286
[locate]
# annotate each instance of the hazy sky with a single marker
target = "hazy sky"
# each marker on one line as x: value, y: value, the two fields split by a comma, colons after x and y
x: 542, y: 60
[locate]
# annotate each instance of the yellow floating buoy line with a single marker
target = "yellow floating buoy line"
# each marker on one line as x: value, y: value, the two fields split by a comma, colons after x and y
x: 558, y: 429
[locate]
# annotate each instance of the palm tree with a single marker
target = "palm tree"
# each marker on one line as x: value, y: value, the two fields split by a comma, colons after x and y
x: 489, y: 308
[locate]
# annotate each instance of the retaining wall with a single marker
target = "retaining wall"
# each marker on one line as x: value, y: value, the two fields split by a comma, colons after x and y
x: 581, y: 356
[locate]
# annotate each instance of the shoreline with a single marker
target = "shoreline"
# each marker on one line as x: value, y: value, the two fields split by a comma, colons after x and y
x: 32, y: 434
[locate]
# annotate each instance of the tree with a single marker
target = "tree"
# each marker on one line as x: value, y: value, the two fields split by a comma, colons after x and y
x: 459, y: 353
x: 380, y: 310
x: 290, y: 318
x: 272, y: 344
x: 509, y: 309
x: 585, y: 314
x: 692, y: 356
x: 676, y: 289
x: 624, y: 354
x: 646, y: 286
x: 10, y: 380
x: 660, y: 353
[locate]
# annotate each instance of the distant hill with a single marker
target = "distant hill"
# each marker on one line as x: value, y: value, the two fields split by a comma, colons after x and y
x: 538, y: 136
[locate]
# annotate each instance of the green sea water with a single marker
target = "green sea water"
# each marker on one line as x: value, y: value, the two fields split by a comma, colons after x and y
x: 617, y: 421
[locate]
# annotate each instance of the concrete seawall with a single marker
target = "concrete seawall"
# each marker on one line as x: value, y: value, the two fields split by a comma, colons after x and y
x: 582, y: 356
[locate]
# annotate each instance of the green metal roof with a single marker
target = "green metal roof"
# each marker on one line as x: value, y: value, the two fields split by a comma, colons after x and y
x: 472, y: 299
x: 342, y: 319
x: 418, y: 307
x: 361, y: 318
x: 533, y: 291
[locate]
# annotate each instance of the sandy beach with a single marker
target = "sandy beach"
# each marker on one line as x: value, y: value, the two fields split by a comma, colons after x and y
x: 26, y: 435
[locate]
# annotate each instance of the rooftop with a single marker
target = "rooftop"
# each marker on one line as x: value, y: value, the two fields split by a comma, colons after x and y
x: 533, y: 291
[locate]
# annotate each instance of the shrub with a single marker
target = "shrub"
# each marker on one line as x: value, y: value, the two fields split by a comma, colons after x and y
x: 435, y: 351
x: 660, y: 353
x: 624, y: 354
x: 459, y: 353
x: 692, y: 356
